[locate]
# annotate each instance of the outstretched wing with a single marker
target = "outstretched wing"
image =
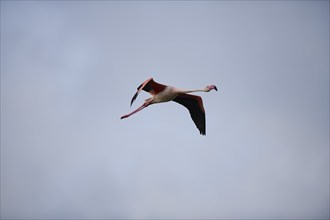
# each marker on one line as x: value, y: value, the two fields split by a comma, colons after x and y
x: 149, y: 86
x: 195, y: 106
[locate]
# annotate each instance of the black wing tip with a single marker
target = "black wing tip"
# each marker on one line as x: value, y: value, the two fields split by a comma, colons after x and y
x: 202, y: 131
x: 134, y: 97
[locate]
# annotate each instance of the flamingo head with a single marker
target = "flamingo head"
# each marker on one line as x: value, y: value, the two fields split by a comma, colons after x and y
x: 210, y: 87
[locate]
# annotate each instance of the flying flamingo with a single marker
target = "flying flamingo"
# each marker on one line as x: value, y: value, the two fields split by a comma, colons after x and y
x: 163, y: 93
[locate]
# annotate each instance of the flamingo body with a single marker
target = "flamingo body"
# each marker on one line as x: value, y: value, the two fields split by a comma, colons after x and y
x: 163, y: 93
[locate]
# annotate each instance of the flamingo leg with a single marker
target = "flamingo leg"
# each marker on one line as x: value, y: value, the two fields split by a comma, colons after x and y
x: 135, y: 111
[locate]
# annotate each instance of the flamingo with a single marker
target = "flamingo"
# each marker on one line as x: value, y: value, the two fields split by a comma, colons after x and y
x: 164, y: 93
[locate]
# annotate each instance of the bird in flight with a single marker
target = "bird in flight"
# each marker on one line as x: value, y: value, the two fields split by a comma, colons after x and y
x: 163, y: 93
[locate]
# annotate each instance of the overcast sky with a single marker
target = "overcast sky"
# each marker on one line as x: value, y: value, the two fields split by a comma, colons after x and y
x: 69, y: 70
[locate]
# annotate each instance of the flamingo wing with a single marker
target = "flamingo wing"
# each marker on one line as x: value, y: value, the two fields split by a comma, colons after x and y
x: 149, y: 86
x: 195, y: 106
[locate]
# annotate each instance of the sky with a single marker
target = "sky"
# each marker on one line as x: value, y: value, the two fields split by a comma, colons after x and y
x: 70, y: 69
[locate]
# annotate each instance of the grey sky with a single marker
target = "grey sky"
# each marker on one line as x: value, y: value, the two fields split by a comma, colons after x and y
x: 69, y: 70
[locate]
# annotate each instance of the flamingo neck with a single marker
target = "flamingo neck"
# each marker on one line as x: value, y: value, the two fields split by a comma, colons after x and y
x: 192, y: 90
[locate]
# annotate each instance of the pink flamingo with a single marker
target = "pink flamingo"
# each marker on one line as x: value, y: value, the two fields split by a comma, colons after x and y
x: 163, y: 93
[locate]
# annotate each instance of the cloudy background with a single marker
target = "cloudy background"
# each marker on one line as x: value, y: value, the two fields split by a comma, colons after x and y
x: 69, y: 70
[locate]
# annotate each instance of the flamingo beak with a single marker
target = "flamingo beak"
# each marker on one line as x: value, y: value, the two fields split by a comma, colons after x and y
x: 213, y: 87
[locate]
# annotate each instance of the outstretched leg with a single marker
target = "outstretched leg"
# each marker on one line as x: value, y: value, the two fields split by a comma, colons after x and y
x: 146, y: 104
